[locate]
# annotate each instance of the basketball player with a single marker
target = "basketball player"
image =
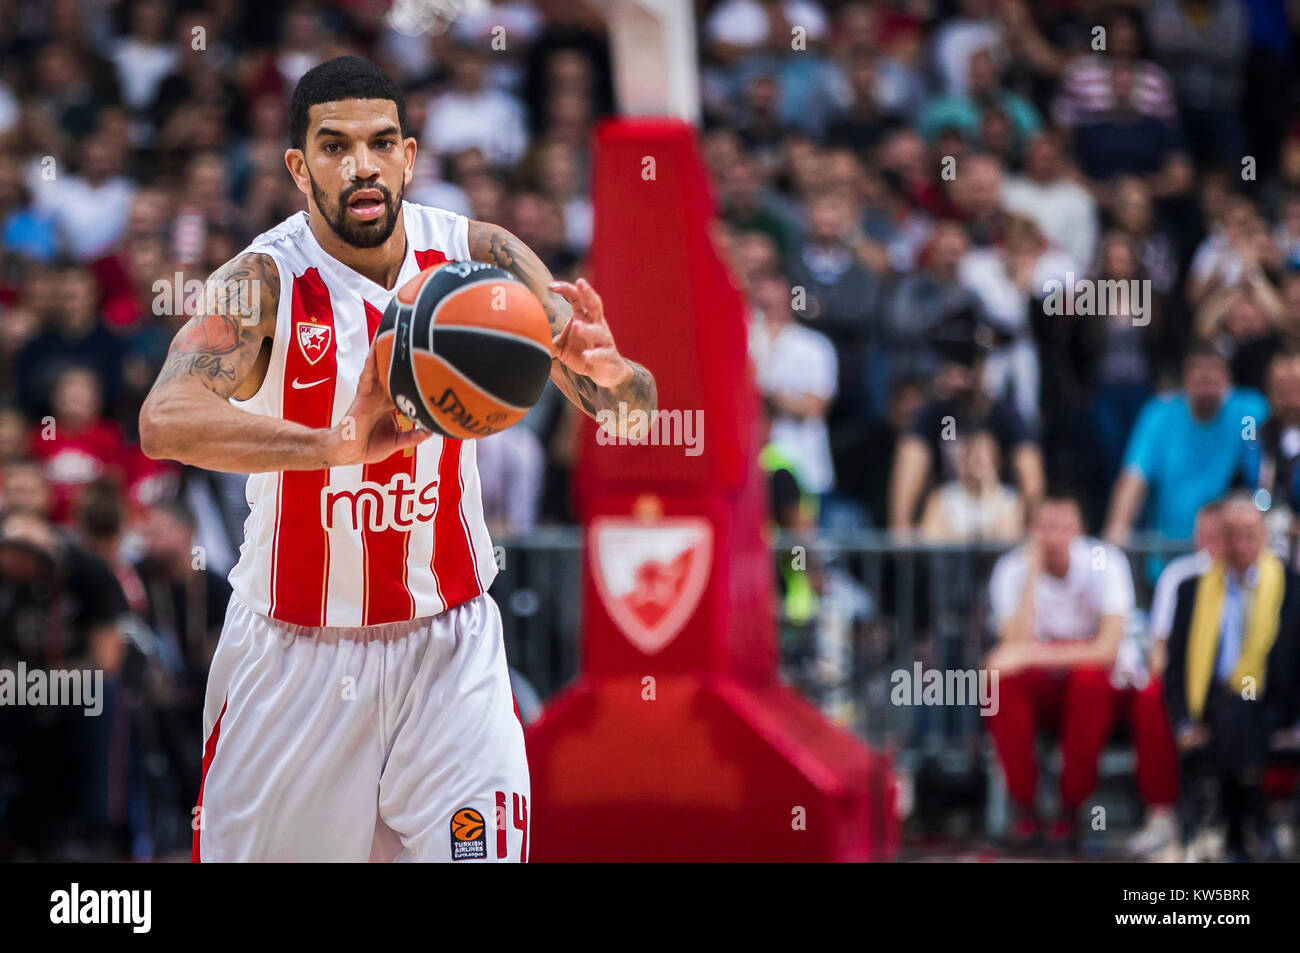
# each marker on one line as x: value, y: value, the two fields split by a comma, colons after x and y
x: 358, y: 704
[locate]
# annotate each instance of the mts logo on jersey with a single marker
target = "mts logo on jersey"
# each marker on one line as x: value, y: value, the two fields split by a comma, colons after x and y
x: 396, y: 504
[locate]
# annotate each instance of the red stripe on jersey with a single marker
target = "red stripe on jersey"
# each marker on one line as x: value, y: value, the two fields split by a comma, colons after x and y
x: 209, y: 752
x: 453, y: 553
x: 275, y: 538
x: 387, y: 596
x: 300, y: 573
x: 429, y: 257
x: 473, y: 556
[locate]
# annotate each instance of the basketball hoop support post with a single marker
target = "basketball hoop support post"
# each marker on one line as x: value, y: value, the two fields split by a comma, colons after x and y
x: 655, y: 63
x: 678, y: 741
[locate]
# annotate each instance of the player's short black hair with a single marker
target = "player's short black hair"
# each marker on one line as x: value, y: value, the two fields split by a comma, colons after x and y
x: 344, y: 77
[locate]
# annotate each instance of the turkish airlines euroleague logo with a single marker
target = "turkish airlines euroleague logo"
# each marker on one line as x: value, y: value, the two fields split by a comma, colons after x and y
x: 396, y: 504
x: 468, y: 835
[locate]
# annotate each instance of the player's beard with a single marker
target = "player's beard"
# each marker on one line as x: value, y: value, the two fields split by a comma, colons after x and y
x: 358, y: 234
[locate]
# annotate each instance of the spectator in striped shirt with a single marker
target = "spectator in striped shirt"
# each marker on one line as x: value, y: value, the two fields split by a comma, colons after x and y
x: 1087, y: 93
x: 1123, y: 140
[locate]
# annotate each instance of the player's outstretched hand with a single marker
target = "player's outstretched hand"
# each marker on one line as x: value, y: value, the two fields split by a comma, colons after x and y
x: 369, y: 432
x: 586, y: 345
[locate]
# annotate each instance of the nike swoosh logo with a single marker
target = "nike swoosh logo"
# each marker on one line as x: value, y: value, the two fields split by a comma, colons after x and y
x: 297, y: 386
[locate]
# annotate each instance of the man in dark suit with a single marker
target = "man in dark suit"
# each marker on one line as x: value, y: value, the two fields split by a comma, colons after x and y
x: 1231, y: 680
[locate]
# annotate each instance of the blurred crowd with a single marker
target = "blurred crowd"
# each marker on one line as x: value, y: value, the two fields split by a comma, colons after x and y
x: 1018, y: 245
x: 1035, y: 268
x: 901, y: 185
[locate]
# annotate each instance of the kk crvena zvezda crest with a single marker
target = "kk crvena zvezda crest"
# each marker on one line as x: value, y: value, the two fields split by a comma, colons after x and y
x: 650, y: 576
x: 314, y: 340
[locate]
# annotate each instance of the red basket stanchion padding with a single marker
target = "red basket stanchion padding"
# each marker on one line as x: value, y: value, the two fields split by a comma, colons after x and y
x: 678, y: 741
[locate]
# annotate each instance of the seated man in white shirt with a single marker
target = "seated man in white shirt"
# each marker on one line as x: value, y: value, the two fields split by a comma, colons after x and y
x: 1060, y: 603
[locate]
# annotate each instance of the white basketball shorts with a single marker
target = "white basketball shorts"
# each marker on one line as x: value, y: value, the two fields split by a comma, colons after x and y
x: 390, y: 742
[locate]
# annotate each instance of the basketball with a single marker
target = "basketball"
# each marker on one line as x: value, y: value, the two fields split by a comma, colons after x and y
x: 464, y: 349
x: 467, y: 824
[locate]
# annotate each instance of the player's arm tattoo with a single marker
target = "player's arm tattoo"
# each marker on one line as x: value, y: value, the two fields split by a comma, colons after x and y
x: 220, y: 344
x: 497, y: 246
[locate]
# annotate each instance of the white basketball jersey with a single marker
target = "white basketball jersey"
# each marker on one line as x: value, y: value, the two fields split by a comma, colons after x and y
x: 363, y: 544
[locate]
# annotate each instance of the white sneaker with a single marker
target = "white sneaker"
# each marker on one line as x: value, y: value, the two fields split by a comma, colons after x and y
x: 1171, y: 853
x: 1158, y: 832
x: 1206, y: 847
x: 1285, y: 832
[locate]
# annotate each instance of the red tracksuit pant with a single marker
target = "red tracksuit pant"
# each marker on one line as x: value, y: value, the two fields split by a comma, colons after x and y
x: 1080, y: 707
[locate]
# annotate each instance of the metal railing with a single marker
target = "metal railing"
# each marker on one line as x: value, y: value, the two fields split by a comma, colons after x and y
x: 884, y: 604
x: 539, y: 591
